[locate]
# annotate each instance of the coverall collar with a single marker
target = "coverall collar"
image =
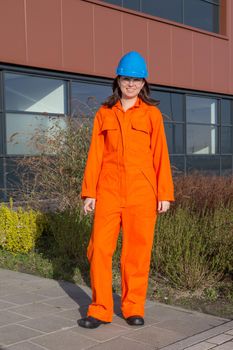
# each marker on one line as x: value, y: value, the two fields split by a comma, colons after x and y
x: 138, y: 103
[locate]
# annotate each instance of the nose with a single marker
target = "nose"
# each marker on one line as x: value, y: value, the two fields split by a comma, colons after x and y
x: 131, y: 82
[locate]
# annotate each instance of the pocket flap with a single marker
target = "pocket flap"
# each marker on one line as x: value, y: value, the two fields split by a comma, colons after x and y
x: 140, y: 125
x: 109, y: 124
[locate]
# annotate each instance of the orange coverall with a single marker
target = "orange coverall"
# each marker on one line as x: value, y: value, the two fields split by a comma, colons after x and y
x: 128, y: 172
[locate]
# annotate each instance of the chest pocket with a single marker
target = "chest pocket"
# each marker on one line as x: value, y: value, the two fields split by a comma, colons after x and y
x: 110, y: 130
x: 139, y: 139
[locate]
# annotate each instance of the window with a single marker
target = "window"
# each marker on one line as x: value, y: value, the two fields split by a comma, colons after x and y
x: 31, y: 103
x: 34, y: 94
x: 202, y: 125
x: 203, y: 14
x: 172, y: 107
x: 169, y: 9
x: 86, y: 98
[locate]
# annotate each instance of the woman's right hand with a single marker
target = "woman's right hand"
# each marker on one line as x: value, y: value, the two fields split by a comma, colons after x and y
x: 88, y: 205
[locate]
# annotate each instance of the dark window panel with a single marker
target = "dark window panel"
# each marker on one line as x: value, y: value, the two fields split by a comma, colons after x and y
x: 226, y: 139
x: 1, y: 96
x: 177, y: 102
x: 12, y: 175
x: 202, y: 139
x: 1, y: 133
x: 206, y: 165
x: 226, y: 165
x: 87, y: 98
x: 201, y: 14
x: 132, y: 4
x: 164, y: 103
x: 226, y: 111
x: 2, y: 189
x: 201, y: 110
x: 175, y: 138
x: 114, y: 2
x: 35, y: 94
x: 177, y: 164
x: 169, y: 9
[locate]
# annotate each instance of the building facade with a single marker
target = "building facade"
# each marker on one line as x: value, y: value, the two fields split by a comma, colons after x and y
x: 58, y: 58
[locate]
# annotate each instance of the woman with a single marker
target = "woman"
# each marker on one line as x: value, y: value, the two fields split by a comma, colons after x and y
x: 127, y: 181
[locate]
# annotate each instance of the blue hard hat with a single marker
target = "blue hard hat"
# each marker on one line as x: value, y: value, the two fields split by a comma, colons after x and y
x: 132, y: 65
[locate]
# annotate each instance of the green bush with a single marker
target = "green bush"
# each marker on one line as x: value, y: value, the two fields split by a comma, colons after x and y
x: 19, y: 229
x: 193, y: 250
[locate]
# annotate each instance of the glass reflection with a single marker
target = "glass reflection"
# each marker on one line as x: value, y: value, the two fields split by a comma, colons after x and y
x: 202, y: 139
x: 34, y: 94
x: 86, y: 98
x: 25, y: 131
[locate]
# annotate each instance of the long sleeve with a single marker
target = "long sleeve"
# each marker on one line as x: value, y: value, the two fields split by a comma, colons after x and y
x: 161, y: 159
x: 94, y: 160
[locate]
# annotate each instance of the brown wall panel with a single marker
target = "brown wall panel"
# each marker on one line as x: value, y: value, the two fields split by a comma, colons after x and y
x: 77, y: 36
x: 134, y: 34
x: 107, y: 40
x: 12, y: 31
x: 44, y: 33
x: 202, y: 61
x: 182, y: 57
x: 159, y: 42
x: 221, y: 68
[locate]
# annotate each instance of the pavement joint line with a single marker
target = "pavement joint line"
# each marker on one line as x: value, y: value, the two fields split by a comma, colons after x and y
x: 137, y: 341
x: 197, y: 341
x: 41, y: 346
x: 32, y: 329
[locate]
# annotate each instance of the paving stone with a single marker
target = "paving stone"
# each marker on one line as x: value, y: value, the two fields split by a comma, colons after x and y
x: 158, y: 337
x: 165, y: 312
x: 62, y: 340
x: 225, y: 346
x: 74, y: 314
x: 14, y: 333
x: 230, y: 331
x: 123, y: 343
x: 221, y: 338
x: 36, y: 310
x: 23, y: 298
x: 7, y: 317
x: 64, y: 302
x: 55, y: 291
x: 201, y: 346
x: 49, y: 323
x: 188, y: 326
x: 5, y: 305
x: 162, y: 314
x: 102, y: 333
x: 9, y: 289
x: 203, y: 336
x: 25, y: 346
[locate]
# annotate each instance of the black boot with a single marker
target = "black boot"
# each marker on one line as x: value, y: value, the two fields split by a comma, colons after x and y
x: 90, y: 322
x: 135, y: 320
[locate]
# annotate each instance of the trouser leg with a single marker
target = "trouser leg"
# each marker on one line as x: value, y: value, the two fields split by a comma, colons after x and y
x: 100, y: 251
x: 138, y: 231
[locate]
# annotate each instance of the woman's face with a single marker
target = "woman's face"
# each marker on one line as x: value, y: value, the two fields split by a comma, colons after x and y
x: 130, y: 87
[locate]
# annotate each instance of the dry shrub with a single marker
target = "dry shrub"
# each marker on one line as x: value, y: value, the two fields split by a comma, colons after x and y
x: 54, y: 176
x: 203, y: 193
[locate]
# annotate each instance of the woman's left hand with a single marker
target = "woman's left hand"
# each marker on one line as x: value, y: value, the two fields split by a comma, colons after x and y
x: 163, y: 206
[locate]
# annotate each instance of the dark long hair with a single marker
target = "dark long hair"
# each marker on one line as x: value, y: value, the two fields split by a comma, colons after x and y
x: 144, y: 95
